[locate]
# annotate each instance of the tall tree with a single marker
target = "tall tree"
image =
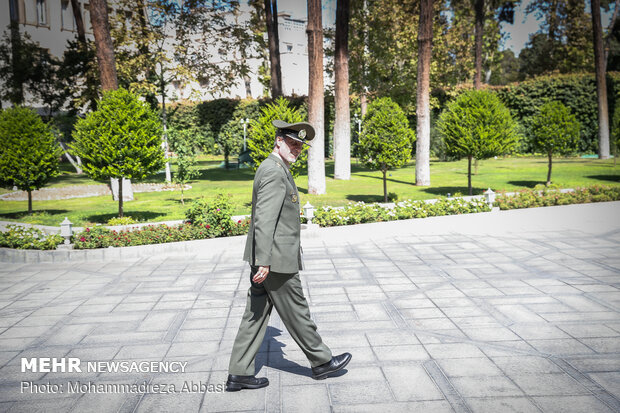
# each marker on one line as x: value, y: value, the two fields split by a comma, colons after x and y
x: 14, y: 78
x: 563, y: 43
x: 103, y: 44
x: 342, y: 124
x: 601, y: 84
x: 271, y: 15
x: 505, y: 13
x: 79, y: 22
x: 423, y: 112
x: 316, y: 154
x: 478, y: 33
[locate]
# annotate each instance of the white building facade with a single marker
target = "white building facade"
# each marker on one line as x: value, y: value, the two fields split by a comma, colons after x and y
x: 51, y: 24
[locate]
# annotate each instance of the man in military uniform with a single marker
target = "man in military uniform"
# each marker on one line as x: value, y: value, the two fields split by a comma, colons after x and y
x: 273, y: 251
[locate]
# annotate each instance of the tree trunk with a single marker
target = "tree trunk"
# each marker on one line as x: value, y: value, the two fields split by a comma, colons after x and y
x: 248, y: 86
x: 469, y: 174
x: 342, y: 124
x: 385, y: 197
x: 120, y: 197
x: 164, y: 120
x: 363, y: 104
x: 78, y: 170
x: 549, y: 169
x: 601, y: 84
x: 423, y: 142
x: 29, y: 202
x: 17, y: 86
x: 316, y: 154
x: 271, y: 14
x: 79, y: 22
x: 479, y: 27
x: 103, y: 44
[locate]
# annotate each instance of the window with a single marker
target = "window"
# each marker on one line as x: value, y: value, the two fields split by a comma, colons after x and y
x: 14, y: 10
x: 86, y: 18
x: 66, y: 16
x: 41, y: 13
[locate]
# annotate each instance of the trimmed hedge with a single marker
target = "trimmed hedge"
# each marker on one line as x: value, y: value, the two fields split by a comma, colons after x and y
x: 360, y: 212
x: 575, y: 91
x: 532, y: 198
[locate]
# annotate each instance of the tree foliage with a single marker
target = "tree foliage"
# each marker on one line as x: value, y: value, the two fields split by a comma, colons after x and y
x: 27, y: 68
x: 185, y: 145
x: 477, y: 125
x: 383, y: 47
x: 230, y: 138
x: 29, y: 152
x: 386, y: 139
x: 262, y: 132
x: 121, y: 139
x: 615, y: 131
x: 554, y: 130
x: 564, y: 42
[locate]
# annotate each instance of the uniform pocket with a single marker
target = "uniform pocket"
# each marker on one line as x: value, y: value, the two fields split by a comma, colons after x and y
x: 286, y: 239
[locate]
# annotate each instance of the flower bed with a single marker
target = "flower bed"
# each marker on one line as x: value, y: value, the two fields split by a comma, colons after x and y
x: 101, y: 237
x: 28, y: 238
x: 531, y: 198
x: 360, y: 212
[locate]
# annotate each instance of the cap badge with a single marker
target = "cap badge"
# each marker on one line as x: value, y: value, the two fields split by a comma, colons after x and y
x: 302, y: 134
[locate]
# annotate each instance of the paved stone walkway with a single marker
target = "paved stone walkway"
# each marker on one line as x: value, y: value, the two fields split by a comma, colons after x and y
x: 498, y: 312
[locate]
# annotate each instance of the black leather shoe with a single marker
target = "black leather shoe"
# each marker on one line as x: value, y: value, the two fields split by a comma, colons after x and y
x: 335, y: 364
x: 236, y: 383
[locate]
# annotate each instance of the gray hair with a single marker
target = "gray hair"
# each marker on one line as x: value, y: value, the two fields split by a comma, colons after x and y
x: 279, y: 133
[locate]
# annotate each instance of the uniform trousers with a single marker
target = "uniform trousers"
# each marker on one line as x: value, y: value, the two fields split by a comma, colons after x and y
x: 285, y: 293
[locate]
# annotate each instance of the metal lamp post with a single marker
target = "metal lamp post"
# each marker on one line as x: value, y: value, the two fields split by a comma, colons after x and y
x: 489, y: 196
x: 66, y: 230
x: 309, y: 212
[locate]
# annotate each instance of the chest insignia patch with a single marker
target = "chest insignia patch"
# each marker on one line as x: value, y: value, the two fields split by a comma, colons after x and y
x: 294, y: 198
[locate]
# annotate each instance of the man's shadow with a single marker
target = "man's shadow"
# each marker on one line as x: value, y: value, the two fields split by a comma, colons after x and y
x: 271, y: 354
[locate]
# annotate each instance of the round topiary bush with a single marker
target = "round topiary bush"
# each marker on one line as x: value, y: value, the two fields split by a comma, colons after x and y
x: 29, y: 152
x: 477, y: 125
x: 554, y: 130
x: 121, y: 139
x: 262, y: 132
x: 386, y: 139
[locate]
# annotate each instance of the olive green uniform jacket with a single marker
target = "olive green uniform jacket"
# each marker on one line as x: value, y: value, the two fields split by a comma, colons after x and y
x: 274, y: 234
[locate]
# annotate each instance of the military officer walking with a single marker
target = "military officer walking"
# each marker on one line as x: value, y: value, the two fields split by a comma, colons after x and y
x: 273, y: 251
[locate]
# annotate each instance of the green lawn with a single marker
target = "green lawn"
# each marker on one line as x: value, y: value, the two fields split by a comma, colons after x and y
x: 499, y: 174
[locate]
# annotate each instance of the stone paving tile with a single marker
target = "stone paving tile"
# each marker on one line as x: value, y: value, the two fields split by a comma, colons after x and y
x: 501, y: 404
x: 359, y: 392
x: 469, y: 367
x: 479, y: 386
x: 571, y: 403
x: 548, y: 384
x: 311, y: 398
x: 411, y: 383
x: 397, y: 407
